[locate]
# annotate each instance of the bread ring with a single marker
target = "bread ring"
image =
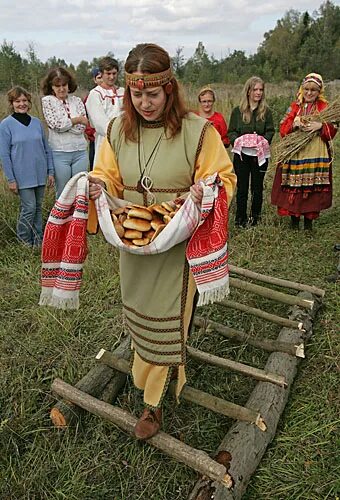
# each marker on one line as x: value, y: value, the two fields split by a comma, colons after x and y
x: 167, y: 206
x: 137, y: 224
x: 119, y: 229
x: 118, y: 211
x: 140, y: 213
x: 149, y: 234
x: 132, y: 234
x: 160, y: 210
x: 128, y: 243
x: 141, y: 242
x: 156, y: 222
x: 167, y: 219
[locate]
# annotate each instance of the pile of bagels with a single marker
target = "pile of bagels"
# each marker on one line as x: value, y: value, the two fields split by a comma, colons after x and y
x: 138, y: 226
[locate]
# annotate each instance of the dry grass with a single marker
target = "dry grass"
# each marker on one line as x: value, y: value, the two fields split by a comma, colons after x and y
x: 97, y: 461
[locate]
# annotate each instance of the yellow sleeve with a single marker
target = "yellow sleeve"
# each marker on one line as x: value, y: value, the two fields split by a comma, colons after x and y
x: 212, y: 158
x: 106, y: 169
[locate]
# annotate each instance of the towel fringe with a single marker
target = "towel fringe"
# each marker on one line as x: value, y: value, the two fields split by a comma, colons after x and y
x: 215, y: 295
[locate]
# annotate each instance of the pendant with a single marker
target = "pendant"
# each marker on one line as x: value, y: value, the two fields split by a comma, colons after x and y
x: 139, y: 187
x: 146, y: 182
x: 150, y: 199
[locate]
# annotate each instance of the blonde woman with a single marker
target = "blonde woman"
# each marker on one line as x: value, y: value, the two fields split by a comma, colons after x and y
x: 251, y: 130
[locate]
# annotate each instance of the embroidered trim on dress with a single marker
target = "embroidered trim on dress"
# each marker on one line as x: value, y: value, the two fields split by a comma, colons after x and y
x: 151, y: 318
x: 109, y: 128
x: 200, y: 142
x: 150, y: 329
x: 158, y: 342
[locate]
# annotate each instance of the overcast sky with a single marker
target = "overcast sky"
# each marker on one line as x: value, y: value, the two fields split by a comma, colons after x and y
x: 80, y: 29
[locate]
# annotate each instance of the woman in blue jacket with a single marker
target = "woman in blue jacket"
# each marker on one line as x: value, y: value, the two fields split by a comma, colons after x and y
x: 27, y: 162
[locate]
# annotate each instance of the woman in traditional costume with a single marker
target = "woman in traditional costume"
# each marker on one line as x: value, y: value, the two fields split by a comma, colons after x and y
x: 155, y: 152
x: 251, y: 130
x: 303, y: 185
x: 206, y: 99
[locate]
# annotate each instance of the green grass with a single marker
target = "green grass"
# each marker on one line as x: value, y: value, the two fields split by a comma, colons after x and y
x: 95, y: 460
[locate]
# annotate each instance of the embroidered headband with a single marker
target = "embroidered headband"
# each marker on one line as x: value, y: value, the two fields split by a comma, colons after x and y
x: 144, y: 81
x: 315, y: 78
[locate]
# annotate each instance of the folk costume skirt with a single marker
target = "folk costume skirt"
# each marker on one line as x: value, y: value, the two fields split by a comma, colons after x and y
x: 303, y: 186
x: 158, y: 302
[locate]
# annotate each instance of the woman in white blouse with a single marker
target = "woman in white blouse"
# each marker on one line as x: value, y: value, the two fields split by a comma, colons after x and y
x: 66, y: 118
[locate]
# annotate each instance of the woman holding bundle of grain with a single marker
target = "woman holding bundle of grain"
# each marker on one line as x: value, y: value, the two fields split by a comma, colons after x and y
x: 157, y: 148
x: 303, y: 185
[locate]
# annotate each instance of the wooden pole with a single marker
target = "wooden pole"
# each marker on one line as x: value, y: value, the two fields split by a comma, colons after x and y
x: 271, y: 294
x: 196, y: 459
x: 279, y: 320
x: 266, y: 344
x: 201, y: 398
x: 276, y: 281
x: 219, y: 405
x: 228, y: 364
x: 64, y: 413
x: 245, y: 443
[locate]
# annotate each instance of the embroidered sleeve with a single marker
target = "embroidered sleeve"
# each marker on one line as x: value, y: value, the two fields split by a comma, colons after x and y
x: 79, y: 110
x: 106, y: 169
x: 286, y: 125
x: 55, y: 114
x: 96, y: 112
x: 212, y: 158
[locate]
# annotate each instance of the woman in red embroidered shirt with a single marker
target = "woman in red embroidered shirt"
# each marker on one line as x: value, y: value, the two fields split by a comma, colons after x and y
x: 303, y: 185
x: 207, y: 98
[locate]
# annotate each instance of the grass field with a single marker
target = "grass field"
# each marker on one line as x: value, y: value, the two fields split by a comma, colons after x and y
x: 96, y: 460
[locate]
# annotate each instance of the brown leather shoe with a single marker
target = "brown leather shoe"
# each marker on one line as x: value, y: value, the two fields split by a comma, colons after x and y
x: 148, y: 424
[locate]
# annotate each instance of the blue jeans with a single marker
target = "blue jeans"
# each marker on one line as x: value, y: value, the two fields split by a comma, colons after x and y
x: 29, y: 226
x: 66, y: 165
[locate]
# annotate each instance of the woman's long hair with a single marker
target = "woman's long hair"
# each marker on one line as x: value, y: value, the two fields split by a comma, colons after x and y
x: 245, y: 108
x: 150, y: 58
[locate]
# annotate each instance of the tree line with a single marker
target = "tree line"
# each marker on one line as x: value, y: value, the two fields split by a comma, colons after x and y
x: 298, y: 44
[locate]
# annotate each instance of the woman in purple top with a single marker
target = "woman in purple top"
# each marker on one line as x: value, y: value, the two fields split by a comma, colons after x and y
x: 27, y: 163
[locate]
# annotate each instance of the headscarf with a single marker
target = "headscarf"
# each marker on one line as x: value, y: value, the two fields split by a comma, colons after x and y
x: 205, y: 89
x: 314, y: 78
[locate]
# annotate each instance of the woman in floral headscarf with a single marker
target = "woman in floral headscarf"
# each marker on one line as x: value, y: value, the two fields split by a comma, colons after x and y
x: 303, y: 185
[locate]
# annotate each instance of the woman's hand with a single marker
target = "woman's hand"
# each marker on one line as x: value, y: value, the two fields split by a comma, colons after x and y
x: 297, y: 122
x: 79, y: 120
x: 311, y: 127
x: 196, y: 192
x: 13, y: 187
x: 50, y: 181
x: 95, y: 188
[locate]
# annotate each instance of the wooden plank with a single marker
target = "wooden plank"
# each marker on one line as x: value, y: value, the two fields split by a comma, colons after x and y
x: 273, y: 318
x: 228, y: 364
x: 277, y: 281
x: 188, y: 393
x: 271, y: 294
x: 196, y: 459
x: 266, y: 344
